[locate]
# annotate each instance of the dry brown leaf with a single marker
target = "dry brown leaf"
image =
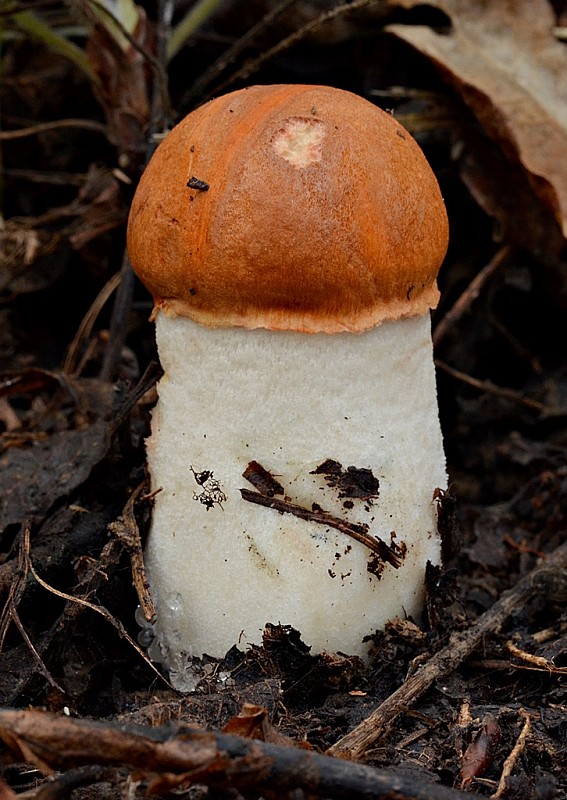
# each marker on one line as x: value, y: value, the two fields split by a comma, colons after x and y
x: 502, y: 57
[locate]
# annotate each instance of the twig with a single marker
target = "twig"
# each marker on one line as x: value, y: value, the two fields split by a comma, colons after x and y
x: 510, y: 762
x: 29, y: 644
x: 491, y: 388
x: 10, y: 611
x: 352, y: 529
x: 461, y: 645
x: 537, y: 663
x: 229, y: 56
x: 43, y: 127
x: 254, y: 64
x: 62, y: 786
x: 17, y: 585
x: 53, y: 178
x: 119, y: 627
x: 179, y: 756
x: 467, y: 298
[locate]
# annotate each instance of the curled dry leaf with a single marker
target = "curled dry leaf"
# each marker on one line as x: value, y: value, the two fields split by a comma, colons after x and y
x: 505, y: 62
x: 252, y: 723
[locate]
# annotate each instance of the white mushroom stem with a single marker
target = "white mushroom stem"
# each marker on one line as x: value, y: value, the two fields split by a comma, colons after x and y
x: 221, y: 566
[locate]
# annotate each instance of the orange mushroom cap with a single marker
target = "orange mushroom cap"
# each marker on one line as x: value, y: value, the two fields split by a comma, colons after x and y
x: 289, y: 207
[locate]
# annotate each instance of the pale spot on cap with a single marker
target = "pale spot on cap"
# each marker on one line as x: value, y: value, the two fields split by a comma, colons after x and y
x: 300, y: 140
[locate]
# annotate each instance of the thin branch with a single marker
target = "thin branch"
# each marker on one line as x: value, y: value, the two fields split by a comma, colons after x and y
x: 443, y: 663
x: 467, y: 298
x: 537, y: 663
x: 359, y: 532
x: 37, y: 658
x: 512, y: 758
x: 229, y: 56
x: 10, y: 611
x: 177, y: 756
x: 492, y: 388
x: 18, y: 585
x: 54, y: 178
x: 44, y: 127
x: 119, y: 627
x: 254, y: 64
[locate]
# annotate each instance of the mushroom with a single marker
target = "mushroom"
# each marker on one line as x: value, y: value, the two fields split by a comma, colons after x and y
x: 291, y: 238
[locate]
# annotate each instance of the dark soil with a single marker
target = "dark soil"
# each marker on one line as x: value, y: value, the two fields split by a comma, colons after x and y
x: 77, y: 391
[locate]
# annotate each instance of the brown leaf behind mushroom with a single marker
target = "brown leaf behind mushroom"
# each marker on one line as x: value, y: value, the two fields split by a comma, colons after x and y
x: 504, y: 61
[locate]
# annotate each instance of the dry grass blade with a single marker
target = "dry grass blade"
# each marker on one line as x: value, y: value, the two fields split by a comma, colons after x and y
x: 72, y: 363
x: 467, y: 298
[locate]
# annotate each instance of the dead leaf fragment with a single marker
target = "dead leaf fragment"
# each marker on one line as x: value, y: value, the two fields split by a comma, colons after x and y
x: 252, y: 723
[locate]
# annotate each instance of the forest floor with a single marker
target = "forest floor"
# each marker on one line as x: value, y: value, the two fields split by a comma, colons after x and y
x: 472, y: 697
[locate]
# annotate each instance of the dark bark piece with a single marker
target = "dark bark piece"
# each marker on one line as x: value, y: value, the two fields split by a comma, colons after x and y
x: 172, y: 756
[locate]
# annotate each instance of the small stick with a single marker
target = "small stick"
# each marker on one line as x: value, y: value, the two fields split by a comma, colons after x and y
x: 443, y: 663
x: 354, y: 530
x: 536, y: 662
x: 43, y: 127
x: 510, y: 762
x: 491, y: 388
x: 467, y: 298
x: 253, y: 65
x: 229, y: 56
